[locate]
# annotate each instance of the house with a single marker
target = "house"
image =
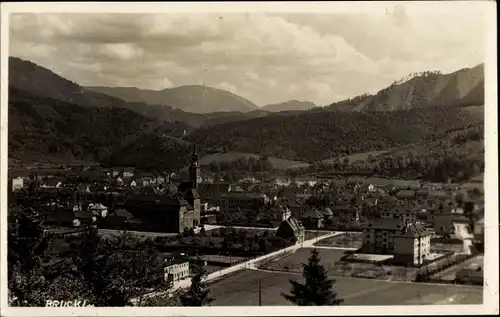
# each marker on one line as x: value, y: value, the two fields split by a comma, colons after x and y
x: 234, y: 201
x: 412, y: 244
x: 17, y: 183
x: 291, y: 228
x: 326, y: 212
x: 312, y: 219
x: 128, y: 172
x: 305, y: 180
x: 280, y: 213
x: 176, y: 270
x: 297, y: 208
x: 98, y: 210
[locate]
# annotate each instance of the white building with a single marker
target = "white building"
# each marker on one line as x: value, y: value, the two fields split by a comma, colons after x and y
x: 412, y: 245
x: 17, y: 183
x: 176, y: 270
x: 409, y: 242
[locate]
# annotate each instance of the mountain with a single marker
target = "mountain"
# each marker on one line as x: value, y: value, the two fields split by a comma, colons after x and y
x: 317, y: 135
x: 426, y: 89
x: 192, y: 98
x: 39, y: 81
x: 291, y: 105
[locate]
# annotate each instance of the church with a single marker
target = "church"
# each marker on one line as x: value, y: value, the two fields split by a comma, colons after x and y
x: 171, y: 212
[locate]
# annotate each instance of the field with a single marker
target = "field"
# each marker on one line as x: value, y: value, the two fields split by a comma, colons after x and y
x: 357, y: 157
x: 234, y: 156
x: 294, y: 261
x: 242, y: 290
x: 346, y: 240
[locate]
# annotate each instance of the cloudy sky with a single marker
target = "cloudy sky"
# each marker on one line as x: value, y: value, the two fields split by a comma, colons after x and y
x: 267, y: 58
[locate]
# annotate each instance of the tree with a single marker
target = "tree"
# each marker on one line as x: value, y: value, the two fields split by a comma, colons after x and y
x: 317, y: 290
x: 198, y: 294
x: 26, y: 246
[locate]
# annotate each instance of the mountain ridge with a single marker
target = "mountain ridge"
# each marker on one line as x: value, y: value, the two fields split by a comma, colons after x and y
x: 291, y: 105
x: 190, y: 98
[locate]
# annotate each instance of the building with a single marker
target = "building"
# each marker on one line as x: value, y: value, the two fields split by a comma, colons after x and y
x: 400, y: 212
x: 170, y: 212
x: 378, y: 235
x: 291, y: 228
x: 412, y: 245
x: 244, y: 201
x: 280, y: 213
x: 176, y: 270
x: 210, y: 193
x: 17, y: 183
x: 128, y: 172
x: 312, y: 219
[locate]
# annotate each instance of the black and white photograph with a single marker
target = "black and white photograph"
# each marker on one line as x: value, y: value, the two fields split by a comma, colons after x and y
x: 212, y: 158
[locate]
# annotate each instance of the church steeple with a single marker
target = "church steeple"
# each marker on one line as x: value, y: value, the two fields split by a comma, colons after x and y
x: 194, y: 168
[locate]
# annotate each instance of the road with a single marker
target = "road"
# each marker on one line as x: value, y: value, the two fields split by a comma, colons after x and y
x: 182, y: 284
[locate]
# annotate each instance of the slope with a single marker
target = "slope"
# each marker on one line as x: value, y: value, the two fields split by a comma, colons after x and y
x: 37, y: 80
x: 44, y: 129
x: 192, y: 98
x: 421, y: 90
x: 313, y: 136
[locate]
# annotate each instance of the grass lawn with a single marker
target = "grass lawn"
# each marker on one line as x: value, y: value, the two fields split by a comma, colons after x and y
x: 293, y: 262
x: 242, y: 290
x: 345, y: 240
x: 312, y: 234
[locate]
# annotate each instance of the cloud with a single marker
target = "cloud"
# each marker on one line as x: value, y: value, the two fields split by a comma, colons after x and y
x: 227, y: 87
x: 268, y: 58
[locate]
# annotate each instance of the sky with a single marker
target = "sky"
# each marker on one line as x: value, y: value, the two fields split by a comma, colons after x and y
x: 266, y: 58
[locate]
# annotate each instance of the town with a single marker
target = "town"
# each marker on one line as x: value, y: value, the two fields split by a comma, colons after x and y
x: 421, y: 233
x: 162, y: 158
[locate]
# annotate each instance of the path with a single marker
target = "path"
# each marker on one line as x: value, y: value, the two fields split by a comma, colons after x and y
x: 182, y: 284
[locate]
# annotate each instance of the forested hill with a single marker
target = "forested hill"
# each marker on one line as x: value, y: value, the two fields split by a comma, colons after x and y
x: 420, y: 90
x: 320, y: 135
x: 44, y: 129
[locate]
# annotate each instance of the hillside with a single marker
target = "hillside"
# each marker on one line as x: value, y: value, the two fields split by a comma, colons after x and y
x: 153, y: 151
x: 291, y: 105
x: 37, y: 80
x: 461, y: 88
x: 314, y: 136
x: 192, y: 98
x: 44, y: 129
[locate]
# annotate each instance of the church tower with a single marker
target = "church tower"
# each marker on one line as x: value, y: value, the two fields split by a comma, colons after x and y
x: 194, y: 169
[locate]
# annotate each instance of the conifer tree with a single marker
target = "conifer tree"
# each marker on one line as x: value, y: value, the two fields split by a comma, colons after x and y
x: 318, y: 289
x: 198, y: 294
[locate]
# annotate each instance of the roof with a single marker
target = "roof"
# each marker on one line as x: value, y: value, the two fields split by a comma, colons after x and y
x: 405, y: 193
x: 121, y: 212
x: 438, y: 194
x: 326, y: 211
x: 293, y: 223
x: 312, y: 213
x: 414, y: 230
x: 243, y: 195
x: 384, y: 223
